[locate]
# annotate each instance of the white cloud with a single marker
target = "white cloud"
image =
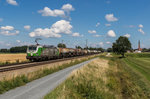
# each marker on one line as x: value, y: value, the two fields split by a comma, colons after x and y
x: 27, y: 27
x: 76, y: 34
x: 141, y: 31
x: 111, y: 33
x: 110, y: 18
x: 67, y: 7
x: 108, y: 42
x: 48, y: 12
x: 63, y: 12
x: 97, y: 24
x: 97, y: 35
x: 56, y: 29
x: 91, y: 31
x: 18, y: 41
x: 127, y: 35
x: 140, y: 26
x: 9, y: 28
x: 12, y: 2
x: 101, y: 44
x: 1, y: 19
x: 107, y: 25
x: 9, y: 33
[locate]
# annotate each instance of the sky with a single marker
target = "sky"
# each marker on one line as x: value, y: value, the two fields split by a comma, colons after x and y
x: 100, y: 22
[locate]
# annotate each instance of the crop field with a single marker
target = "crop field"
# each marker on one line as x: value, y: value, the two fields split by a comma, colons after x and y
x: 108, y: 78
x: 12, y: 58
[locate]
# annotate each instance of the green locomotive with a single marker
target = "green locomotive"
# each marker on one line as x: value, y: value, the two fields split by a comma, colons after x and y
x: 38, y: 52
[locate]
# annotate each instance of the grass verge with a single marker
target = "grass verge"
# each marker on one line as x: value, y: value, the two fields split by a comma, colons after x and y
x: 6, y: 85
x: 120, y: 80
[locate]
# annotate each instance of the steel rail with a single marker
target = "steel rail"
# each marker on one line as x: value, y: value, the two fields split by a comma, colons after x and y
x: 33, y: 64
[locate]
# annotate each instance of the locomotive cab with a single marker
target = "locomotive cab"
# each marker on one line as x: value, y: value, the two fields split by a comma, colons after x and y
x: 33, y: 52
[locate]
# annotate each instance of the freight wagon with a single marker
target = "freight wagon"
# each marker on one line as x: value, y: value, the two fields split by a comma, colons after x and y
x: 39, y: 52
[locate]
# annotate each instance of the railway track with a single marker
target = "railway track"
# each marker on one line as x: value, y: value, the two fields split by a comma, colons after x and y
x: 33, y: 64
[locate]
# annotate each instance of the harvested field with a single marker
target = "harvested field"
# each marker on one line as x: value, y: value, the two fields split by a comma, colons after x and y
x: 12, y: 58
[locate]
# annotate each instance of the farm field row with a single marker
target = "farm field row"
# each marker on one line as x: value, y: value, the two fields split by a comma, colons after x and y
x: 108, y: 78
x: 11, y: 58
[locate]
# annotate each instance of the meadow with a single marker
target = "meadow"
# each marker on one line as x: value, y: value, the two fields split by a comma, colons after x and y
x: 108, y: 78
x: 12, y: 58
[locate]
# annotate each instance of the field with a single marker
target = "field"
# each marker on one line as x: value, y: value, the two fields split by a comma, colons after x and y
x: 12, y: 58
x: 108, y: 78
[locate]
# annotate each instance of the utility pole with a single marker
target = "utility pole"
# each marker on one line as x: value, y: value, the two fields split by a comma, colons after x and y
x: 86, y: 43
x: 62, y: 43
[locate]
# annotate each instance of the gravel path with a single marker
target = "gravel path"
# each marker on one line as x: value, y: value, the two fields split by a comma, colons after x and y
x: 40, y: 87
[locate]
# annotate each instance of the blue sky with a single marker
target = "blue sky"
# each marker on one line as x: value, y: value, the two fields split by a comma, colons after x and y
x: 74, y: 21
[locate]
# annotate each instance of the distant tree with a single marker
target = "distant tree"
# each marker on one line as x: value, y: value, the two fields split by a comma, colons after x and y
x: 109, y: 49
x: 18, y: 49
x: 78, y: 47
x: 61, y: 45
x: 101, y: 49
x: 145, y: 50
x: 4, y: 50
x: 121, y: 46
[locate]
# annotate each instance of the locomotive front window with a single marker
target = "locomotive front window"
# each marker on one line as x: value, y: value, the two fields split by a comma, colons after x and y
x: 32, y: 48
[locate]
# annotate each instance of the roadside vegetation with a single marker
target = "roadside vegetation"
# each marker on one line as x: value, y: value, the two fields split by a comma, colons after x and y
x: 108, y: 78
x: 6, y: 85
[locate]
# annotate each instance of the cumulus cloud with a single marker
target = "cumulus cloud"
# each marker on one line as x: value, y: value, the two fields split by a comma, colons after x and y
x: 67, y: 7
x: 110, y: 18
x: 97, y: 35
x: 141, y: 31
x: 140, y: 26
x: 48, y: 12
x: 63, y: 12
x: 9, y: 33
x: 97, y: 24
x: 127, y: 35
x: 9, y: 28
x: 91, y: 31
x: 27, y: 27
x: 111, y: 33
x: 12, y: 2
x: 18, y: 41
x: 56, y: 29
x: 108, y: 42
x: 76, y: 34
x: 107, y: 25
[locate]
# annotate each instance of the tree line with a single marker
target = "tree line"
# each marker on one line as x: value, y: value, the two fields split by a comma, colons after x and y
x: 17, y: 49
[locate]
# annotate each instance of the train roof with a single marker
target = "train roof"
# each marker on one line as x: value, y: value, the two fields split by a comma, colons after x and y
x: 45, y: 46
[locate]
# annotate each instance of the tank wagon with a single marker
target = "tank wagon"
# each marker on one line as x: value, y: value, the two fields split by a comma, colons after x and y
x: 39, y: 52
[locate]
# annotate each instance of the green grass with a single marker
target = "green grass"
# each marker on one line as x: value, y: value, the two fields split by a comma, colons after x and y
x: 82, y: 85
x: 6, y: 85
x: 127, y: 78
x: 135, y: 55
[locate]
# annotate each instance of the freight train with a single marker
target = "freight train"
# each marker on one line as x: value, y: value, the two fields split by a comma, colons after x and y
x: 40, y: 53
